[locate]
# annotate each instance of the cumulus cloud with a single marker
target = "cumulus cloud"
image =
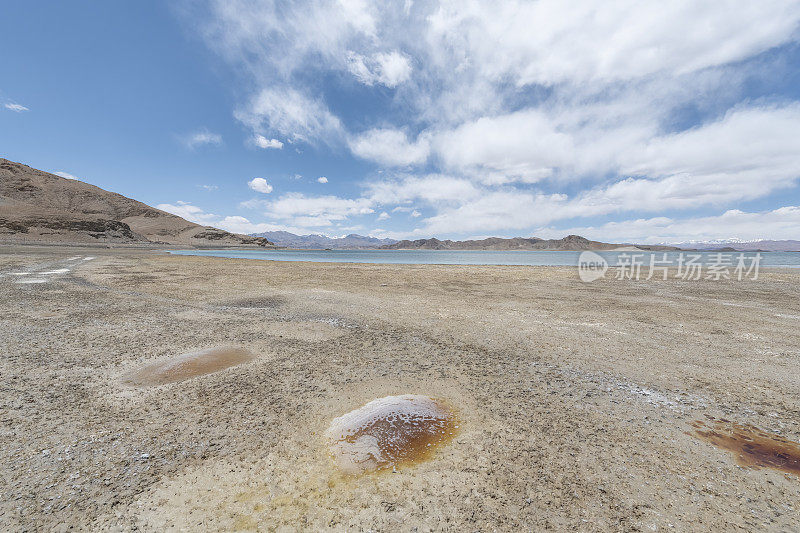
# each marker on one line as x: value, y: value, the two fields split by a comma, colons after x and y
x: 301, y: 210
x: 263, y: 142
x: 322, y: 179
x: 240, y: 224
x: 389, y: 147
x: 201, y: 138
x: 260, y: 185
x: 190, y: 212
x: 232, y: 223
x: 17, y: 108
x: 384, y: 216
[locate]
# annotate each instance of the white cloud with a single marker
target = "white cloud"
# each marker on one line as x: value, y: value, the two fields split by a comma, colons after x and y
x: 524, y: 145
x: 500, y: 210
x: 384, y: 216
x: 232, y: 223
x: 288, y: 112
x: 209, y: 187
x: 389, y: 69
x: 190, y: 212
x: 502, y: 108
x: 781, y: 223
x: 201, y: 138
x: 469, y: 46
x: 17, y: 108
x: 260, y: 185
x: 322, y: 179
x: 416, y: 213
x: 240, y: 224
x: 263, y: 142
x: 66, y: 175
x: 434, y: 189
x: 389, y: 147
x: 301, y: 210
x: 550, y: 42
x: 747, y: 154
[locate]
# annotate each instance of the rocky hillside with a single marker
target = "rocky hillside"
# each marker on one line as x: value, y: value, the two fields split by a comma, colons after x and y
x: 570, y: 242
x: 37, y: 206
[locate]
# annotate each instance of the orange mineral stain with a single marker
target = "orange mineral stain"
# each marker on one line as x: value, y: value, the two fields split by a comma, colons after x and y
x: 390, y: 431
x: 187, y: 366
x: 751, y: 447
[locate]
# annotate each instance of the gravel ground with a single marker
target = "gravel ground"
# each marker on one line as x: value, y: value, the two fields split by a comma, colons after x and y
x: 576, y: 399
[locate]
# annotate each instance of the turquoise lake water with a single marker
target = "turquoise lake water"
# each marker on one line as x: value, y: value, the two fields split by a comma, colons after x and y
x: 532, y: 258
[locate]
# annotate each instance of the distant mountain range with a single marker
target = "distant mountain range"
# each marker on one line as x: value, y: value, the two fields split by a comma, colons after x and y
x: 570, y: 242
x: 355, y: 241
x: 742, y: 246
x: 39, y: 207
x: 349, y: 242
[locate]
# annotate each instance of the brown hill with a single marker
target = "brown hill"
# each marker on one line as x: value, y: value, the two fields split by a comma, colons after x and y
x: 37, y: 206
x: 570, y: 242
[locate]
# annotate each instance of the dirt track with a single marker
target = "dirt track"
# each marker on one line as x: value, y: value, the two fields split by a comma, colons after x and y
x: 576, y: 398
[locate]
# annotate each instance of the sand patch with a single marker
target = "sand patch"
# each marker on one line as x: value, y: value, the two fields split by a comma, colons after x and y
x: 308, y: 331
x: 256, y: 302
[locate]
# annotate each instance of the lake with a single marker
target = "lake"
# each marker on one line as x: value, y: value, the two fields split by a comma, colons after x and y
x: 476, y: 257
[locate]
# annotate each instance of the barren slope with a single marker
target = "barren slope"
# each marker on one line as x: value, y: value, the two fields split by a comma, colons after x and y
x: 37, y: 206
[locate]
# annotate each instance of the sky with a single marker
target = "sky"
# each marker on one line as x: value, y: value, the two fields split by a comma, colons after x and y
x: 618, y: 120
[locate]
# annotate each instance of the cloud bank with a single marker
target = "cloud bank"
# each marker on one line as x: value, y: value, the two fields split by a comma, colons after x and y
x: 525, y: 117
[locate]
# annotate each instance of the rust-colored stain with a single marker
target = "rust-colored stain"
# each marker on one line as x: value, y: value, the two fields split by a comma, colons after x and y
x: 751, y: 447
x: 187, y: 366
x: 391, y: 431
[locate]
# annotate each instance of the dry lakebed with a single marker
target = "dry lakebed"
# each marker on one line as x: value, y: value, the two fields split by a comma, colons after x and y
x: 147, y: 391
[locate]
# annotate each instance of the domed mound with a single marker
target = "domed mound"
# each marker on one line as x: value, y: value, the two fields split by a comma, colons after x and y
x: 390, y: 431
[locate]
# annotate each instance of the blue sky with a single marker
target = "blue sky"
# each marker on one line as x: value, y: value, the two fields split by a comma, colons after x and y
x: 617, y: 120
